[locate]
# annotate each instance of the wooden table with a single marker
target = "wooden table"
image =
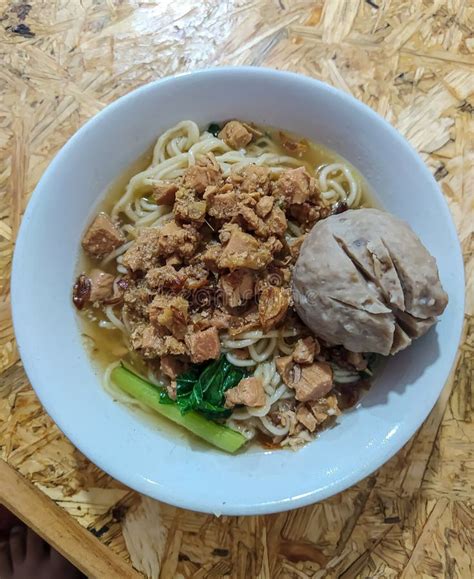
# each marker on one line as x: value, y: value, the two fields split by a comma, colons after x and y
x: 410, y: 60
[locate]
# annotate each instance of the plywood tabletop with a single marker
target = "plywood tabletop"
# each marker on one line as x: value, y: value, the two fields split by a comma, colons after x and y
x: 410, y: 60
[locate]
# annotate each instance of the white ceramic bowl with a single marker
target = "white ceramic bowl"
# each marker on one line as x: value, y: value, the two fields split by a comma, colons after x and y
x: 151, y: 460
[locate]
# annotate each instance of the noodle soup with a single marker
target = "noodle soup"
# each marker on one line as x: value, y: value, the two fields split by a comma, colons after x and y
x: 162, y: 298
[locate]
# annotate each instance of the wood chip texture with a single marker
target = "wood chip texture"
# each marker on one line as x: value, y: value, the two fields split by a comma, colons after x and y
x: 410, y: 60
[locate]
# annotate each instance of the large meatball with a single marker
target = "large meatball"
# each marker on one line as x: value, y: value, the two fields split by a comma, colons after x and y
x: 363, y: 279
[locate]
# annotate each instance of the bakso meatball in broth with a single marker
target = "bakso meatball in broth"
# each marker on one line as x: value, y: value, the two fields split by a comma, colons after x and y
x: 364, y: 280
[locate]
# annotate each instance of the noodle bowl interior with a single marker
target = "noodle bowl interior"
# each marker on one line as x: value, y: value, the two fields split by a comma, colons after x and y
x: 186, y: 278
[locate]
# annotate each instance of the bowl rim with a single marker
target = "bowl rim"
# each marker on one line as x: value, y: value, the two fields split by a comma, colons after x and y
x: 392, y: 446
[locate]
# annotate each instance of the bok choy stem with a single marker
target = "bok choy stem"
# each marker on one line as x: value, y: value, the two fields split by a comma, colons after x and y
x: 216, y: 434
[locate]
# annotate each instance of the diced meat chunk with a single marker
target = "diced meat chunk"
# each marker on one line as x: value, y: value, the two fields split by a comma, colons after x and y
x: 295, y: 186
x: 238, y: 287
x: 196, y: 276
x: 165, y: 277
x: 173, y: 239
x: 305, y: 351
x: 311, y: 382
x: 171, y: 366
x: 218, y: 319
x: 306, y: 418
x: 251, y: 178
x: 210, y: 257
x: 324, y: 408
x: 245, y: 323
x: 226, y: 232
x: 170, y: 313
x: 274, y: 245
x: 148, y: 342
x: 137, y: 297
x: 143, y: 254
x: 164, y: 192
x: 102, y: 237
x: 203, y: 345
x: 172, y: 346
x: 175, y: 317
x: 187, y: 208
x: 264, y: 206
x: 102, y: 285
x: 244, y: 251
x: 252, y: 222
x: 287, y: 417
x: 249, y: 392
x: 235, y: 135
x: 222, y: 206
x: 276, y: 222
x: 307, y: 214
x: 156, y: 307
x: 284, y: 366
x: 272, y: 306
x: 204, y: 173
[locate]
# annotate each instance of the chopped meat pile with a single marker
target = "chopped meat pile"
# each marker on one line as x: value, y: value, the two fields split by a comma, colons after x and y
x: 222, y: 263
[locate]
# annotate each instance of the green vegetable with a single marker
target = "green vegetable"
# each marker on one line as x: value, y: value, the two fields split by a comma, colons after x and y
x: 150, y: 395
x: 202, y: 388
x: 164, y: 398
x: 214, y: 129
